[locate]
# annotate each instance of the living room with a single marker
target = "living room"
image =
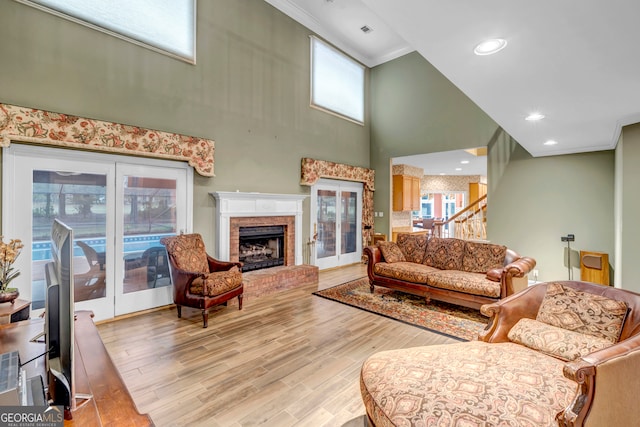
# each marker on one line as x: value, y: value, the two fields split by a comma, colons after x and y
x: 249, y: 92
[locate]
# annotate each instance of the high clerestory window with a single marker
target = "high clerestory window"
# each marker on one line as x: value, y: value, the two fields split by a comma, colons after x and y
x: 337, y: 82
x: 167, y: 26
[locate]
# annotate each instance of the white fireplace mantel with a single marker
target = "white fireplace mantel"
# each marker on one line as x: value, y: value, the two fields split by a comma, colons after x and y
x: 236, y: 204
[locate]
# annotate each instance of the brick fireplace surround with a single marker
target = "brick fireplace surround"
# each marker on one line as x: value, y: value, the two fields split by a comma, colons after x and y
x: 255, y: 221
x: 235, y: 210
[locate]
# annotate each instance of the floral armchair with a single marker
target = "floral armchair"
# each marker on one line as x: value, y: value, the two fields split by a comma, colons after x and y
x: 200, y: 281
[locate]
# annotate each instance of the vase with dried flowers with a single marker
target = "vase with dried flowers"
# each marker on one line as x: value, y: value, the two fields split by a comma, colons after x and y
x: 9, y: 252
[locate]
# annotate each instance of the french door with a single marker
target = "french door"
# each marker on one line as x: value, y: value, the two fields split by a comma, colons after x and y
x: 119, y: 209
x: 337, y: 225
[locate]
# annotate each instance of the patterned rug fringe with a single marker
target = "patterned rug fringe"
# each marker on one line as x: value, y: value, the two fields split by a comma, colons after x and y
x: 442, y: 318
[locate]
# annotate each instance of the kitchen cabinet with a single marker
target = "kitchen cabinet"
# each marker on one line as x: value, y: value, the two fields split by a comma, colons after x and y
x: 406, y: 193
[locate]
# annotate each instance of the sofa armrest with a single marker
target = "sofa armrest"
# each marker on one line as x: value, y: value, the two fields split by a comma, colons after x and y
x: 373, y: 254
x: 506, y: 313
x: 520, y: 267
x: 495, y: 274
x: 608, y: 387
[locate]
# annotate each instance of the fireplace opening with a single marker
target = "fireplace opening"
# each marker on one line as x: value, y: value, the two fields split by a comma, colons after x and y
x: 261, y: 247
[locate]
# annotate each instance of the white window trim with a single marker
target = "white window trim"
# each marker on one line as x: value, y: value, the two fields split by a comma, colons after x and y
x: 314, y: 39
x: 186, y: 58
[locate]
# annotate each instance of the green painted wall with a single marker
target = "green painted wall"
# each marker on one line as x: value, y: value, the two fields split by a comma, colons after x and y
x: 535, y: 201
x: 249, y: 92
x: 629, y: 205
x: 416, y: 110
x: 532, y: 201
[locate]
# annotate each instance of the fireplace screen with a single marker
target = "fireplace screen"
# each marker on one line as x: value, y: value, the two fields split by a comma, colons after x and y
x: 261, y: 247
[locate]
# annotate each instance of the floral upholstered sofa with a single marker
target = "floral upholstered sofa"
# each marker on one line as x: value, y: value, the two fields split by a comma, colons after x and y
x: 556, y: 354
x: 453, y: 270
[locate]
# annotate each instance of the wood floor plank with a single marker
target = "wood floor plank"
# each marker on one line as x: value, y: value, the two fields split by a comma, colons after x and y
x: 286, y: 359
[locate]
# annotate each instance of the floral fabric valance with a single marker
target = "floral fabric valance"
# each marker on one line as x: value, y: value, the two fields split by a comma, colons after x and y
x: 44, y: 127
x: 313, y: 170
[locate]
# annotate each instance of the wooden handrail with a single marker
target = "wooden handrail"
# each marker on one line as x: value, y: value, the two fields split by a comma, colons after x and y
x: 464, y: 210
x: 473, y: 214
x: 461, y: 218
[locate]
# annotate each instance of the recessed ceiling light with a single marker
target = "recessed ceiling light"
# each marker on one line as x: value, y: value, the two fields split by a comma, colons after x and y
x: 465, y: 162
x: 551, y: 142
x: 533, y: 117
x: 458, y: 169
x: 489, y: 47
x: 442, y: 173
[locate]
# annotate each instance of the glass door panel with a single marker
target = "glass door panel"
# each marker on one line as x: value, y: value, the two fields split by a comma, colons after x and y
x: 149, y: 214
x: 326, y: 214
x: 152, y: 205
x: 78, y: 200
x: 348, y: 212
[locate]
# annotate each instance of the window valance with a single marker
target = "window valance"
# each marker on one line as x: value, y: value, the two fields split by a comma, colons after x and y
x: 312, y: 170
x: 64, y: 130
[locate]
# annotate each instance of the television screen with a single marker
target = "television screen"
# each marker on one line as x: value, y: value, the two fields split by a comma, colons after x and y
x: 59, y: 317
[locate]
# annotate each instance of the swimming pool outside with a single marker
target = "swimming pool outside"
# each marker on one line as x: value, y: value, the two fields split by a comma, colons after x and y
x: 41, y: 251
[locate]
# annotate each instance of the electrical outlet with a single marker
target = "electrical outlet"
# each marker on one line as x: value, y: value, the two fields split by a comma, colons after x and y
x: 380, y: 214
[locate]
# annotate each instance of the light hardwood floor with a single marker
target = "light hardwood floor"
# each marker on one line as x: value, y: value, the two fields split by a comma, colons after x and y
x: 288, y: 359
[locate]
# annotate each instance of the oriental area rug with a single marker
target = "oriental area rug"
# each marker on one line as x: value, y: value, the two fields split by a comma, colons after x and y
x: 439, y: 317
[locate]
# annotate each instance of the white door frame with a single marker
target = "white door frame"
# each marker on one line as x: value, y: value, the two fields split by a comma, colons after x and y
x: 152, y: 297
x: 18, y: 160
x: 338, y: 186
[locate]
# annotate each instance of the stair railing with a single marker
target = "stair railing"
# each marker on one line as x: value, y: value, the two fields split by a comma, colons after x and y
x: 468, y: 224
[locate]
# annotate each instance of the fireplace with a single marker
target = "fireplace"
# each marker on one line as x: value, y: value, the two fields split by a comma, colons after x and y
x: 261, y: 246
x: 237, y: 211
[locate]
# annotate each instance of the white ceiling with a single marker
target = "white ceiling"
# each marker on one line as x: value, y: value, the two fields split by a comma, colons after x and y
x: 447, y: 163
x: 576, y: 62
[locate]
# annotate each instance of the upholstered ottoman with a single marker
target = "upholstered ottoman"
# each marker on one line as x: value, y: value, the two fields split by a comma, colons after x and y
x: 465, y: 384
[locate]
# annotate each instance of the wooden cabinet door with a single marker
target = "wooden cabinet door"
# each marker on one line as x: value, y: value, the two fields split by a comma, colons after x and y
x: 406, y: 193
x: 407, y: 196
x: 415, y: 194
x: 398, y: 185
x: 476, y: 190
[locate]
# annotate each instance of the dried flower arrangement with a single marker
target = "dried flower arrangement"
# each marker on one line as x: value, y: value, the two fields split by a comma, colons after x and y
x: 9, y: 252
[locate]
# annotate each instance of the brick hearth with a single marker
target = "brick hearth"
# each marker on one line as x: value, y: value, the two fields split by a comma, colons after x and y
x: 275, y: 279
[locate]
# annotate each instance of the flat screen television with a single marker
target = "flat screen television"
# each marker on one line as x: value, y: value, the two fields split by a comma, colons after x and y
x: 59, y: 318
